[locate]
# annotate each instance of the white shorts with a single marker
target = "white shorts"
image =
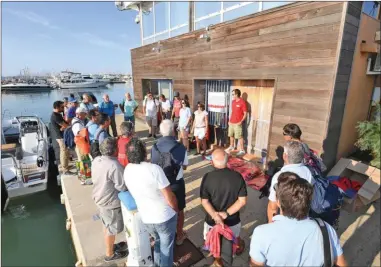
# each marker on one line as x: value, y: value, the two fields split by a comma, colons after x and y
x: 236, y: 229
x: 200, y: 133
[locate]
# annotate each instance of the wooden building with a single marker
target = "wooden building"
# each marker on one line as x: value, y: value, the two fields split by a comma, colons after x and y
x: 295, y: 64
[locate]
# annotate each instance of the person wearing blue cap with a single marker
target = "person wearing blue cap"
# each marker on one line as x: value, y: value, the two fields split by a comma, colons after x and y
x: 73, y: 104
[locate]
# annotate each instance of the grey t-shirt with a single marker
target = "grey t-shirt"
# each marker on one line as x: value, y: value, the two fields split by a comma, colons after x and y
x: 107, y: 177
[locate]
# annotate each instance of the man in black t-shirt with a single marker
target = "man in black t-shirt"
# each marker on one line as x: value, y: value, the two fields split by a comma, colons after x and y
x: 223, y: 193
x: 57, y: 126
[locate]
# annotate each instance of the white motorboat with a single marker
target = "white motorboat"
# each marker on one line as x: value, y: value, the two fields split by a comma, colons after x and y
x: 102, y: 82
x: 38, y: 86
x: 25, y: 163
x: 81, y: 83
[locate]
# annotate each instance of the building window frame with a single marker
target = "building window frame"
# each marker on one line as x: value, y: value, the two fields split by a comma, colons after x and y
x: 222, y: 11
x: 155, y: 34
x: 192, y: 21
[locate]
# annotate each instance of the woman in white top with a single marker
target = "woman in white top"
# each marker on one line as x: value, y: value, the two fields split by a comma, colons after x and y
x: 184, y: 122
x: 200, y: 127
x: 165, y: 105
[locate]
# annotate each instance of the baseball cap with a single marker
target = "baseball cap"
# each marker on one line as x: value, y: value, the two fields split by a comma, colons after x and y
x: 80, y: 110
x: 177, y: 94
x: 72, y: 100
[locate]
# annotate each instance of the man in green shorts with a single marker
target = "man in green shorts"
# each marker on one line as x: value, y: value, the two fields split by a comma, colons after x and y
x: 238, y: 116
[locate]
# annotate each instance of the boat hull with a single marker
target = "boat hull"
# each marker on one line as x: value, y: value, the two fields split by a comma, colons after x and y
x: 82, y: 85
x: 17, y: 87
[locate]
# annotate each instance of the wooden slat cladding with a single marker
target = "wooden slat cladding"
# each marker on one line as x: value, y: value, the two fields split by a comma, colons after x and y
x: 295, y: 46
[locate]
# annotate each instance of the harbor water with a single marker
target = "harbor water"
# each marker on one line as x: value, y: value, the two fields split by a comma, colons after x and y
x: 34, y: 227
x: 41, y: 103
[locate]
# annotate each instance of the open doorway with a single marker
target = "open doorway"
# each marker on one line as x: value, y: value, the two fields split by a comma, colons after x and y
x: 259, y: 96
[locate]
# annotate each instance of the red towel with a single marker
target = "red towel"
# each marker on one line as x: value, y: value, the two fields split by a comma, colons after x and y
x: 213, y: 239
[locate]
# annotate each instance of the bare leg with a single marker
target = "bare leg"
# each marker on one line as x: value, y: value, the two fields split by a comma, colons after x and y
x: 204, y: 145
x: 232, y: 141
x: 149, y: 128
x: 180, y: 224
x: 240, y: 145
x: 197, y: 145
x: 109, y: 240
x: 153, y: 131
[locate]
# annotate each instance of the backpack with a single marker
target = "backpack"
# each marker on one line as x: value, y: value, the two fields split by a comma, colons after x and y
x: 94, y: 147
x: 326, y: 201
x: 170, y: 166
x: 313, y: 161
x: 68, y: 136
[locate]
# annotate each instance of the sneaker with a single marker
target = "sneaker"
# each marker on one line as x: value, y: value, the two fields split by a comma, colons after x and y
x: 241, y: 153
x: 116, y: 256
x: 121, y: 246
x: 154, y: 136
x: 229, y: 149
x: 150, y: 135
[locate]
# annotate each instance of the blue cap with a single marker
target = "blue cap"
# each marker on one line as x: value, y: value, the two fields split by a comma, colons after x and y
x: 72, y: 100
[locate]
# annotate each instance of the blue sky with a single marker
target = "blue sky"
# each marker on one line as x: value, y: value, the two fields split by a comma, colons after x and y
x: 88, y: 37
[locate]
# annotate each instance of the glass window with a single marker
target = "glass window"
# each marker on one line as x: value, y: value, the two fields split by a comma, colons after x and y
x: 179, y: 13
x: 162, y: 16
x: 165, y: 88
x: 148, y: 41
x: 370, y: 8
x: 180, y: 31
x: 230, y: 4
x: 206, y: 22
x: 205, y: 8
x: 161, y: 36
x: 241, y: 11
x: 148, y: 24
x: 268, y: 5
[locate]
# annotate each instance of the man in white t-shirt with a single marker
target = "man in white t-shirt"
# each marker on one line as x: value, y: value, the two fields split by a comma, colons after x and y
x: 165, y: 107
x: 167, y: 146
x: 156, y: 203
x: 150, y: 109
x: 293, y: 162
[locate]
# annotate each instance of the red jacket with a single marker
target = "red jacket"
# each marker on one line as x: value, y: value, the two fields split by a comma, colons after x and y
x: 213, y: 243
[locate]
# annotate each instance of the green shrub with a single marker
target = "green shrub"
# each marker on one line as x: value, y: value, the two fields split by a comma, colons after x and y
x: 369, y: 137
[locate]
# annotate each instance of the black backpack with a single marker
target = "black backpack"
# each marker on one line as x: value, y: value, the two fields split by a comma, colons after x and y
x: 94, y: 147
x: 170, y: 166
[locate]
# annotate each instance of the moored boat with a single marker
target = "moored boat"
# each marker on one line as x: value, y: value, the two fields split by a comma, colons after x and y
x: 25, y: 163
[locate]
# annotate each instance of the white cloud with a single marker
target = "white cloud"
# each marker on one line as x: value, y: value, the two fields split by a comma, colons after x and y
x: 98, y: 41
x: 31, y: 16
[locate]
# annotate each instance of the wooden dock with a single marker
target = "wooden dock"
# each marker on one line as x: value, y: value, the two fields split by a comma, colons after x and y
x: 359, y: 232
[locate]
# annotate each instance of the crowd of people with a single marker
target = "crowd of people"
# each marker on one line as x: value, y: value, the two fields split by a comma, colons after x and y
x: 290, y: 238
